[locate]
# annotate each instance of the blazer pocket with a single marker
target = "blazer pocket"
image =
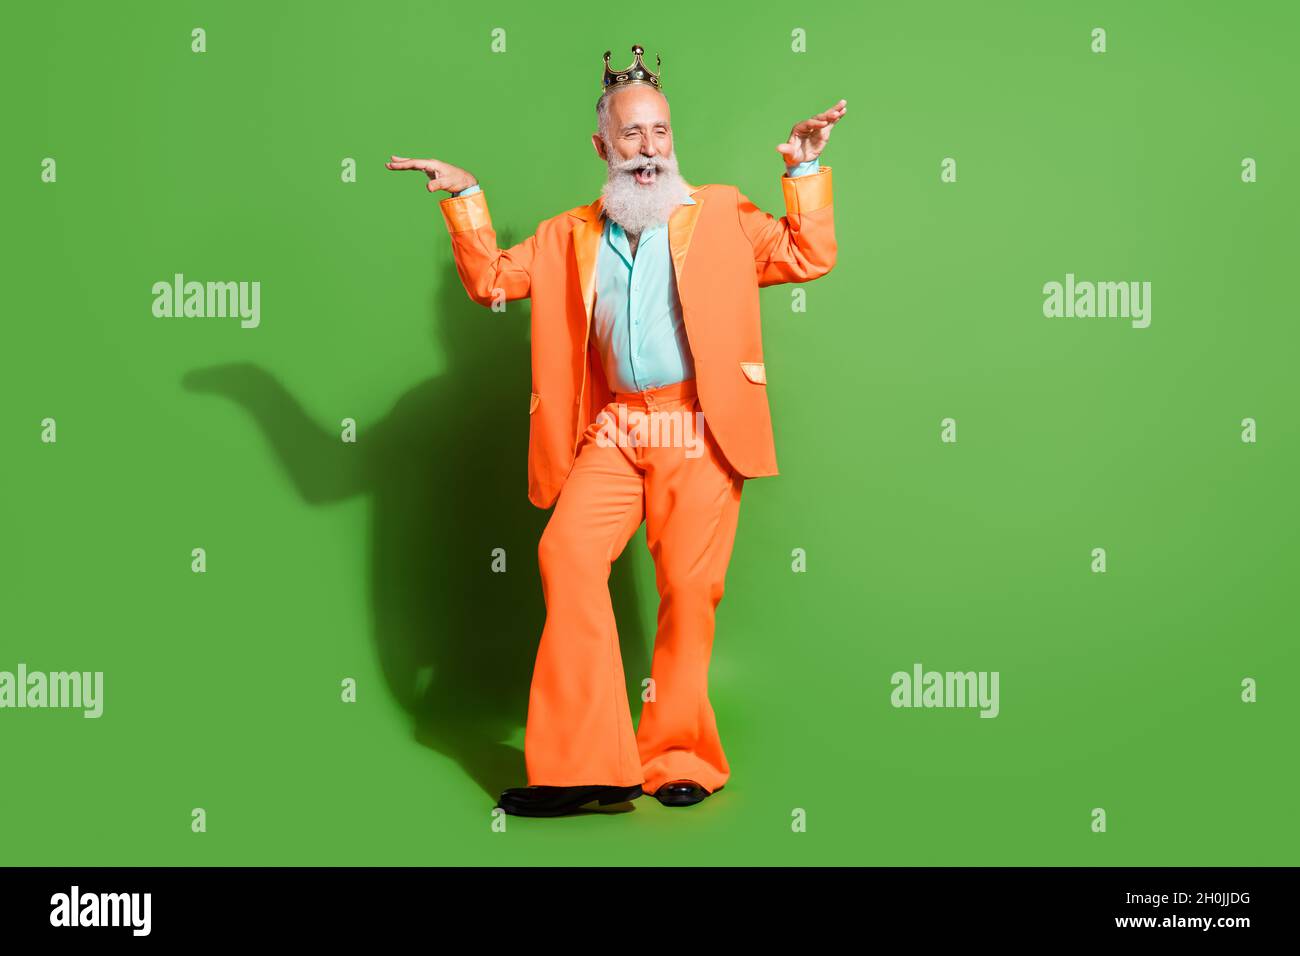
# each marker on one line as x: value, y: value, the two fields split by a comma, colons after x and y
x: 755, y: 372
x: 532, y: 402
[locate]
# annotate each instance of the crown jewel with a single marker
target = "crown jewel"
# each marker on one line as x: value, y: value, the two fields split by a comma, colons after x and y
x: 638, y: 72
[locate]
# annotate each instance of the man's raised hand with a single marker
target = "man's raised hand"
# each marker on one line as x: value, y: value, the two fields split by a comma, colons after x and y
x: 441, y: 175
x: 808, y: 139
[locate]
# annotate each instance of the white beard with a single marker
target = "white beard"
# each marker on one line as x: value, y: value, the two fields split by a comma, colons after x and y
x: 636, y: 207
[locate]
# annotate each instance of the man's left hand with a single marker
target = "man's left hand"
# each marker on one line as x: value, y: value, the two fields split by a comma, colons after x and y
x: 808, y: 139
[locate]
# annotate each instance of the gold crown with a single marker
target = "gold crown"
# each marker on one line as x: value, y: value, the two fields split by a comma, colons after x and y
x: 638, y: 72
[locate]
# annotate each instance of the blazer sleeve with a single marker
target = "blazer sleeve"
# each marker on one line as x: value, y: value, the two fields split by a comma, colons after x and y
x: 484, y: 268
x: 799, y: 246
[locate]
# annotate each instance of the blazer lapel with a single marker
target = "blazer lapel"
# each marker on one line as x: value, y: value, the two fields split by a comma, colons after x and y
x: 681, y: 226
x: 586, y: 244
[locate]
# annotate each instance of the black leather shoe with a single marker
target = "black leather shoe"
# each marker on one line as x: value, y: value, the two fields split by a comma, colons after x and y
x: 557, y: 801
x: 680, y: 793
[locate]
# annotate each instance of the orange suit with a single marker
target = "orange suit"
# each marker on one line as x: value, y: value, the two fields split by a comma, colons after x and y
x: 723, y: 249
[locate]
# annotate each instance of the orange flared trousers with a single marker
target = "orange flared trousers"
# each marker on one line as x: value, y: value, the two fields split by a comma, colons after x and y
x: 631, y: 468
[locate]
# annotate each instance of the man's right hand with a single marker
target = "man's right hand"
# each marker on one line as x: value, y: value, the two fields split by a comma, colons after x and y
x: 441, y: 175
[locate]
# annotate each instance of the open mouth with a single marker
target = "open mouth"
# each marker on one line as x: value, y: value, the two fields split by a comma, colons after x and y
x: 645, y: 175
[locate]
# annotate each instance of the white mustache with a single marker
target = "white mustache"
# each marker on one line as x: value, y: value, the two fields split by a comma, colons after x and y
x: 639, y: 162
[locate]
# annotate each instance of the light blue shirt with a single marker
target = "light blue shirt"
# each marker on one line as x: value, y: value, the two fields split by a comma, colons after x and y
x: 638, y: 316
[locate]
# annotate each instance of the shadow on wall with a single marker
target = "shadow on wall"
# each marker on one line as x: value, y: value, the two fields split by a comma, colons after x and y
x: 446, y: 472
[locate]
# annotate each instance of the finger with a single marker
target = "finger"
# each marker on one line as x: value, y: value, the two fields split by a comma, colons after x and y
x: 834, y: 113
x: 807, y: 127
x: 425, y: 164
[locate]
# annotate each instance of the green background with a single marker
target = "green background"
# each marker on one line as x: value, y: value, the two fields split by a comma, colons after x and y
x: 1118, y: 690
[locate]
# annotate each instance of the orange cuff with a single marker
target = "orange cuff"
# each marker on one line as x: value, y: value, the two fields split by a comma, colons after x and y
x: 807, y: 193
x: 465, y: 213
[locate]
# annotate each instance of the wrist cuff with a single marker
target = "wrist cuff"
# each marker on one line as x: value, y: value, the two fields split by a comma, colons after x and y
x: 807, y: 193
x: 465, y: 213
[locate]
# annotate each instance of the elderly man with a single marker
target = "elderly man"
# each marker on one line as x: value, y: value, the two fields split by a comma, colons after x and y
x: 649, y: 403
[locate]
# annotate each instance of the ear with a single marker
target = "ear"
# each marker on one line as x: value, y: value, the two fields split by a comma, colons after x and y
x: 599, y: 143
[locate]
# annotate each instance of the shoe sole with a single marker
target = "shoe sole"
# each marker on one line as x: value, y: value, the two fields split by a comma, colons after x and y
x: 685, y: 801
x: 595, y: 805
x: 681, y: 802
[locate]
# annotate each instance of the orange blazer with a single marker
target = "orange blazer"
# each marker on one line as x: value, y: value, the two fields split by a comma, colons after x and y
x: 723, y: 249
